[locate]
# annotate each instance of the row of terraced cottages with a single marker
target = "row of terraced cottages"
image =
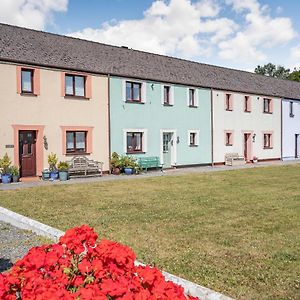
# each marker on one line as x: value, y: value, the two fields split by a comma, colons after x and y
x: 75, y: 97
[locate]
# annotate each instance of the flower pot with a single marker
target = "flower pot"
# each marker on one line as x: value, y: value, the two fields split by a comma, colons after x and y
x: 128, y: 171
x: 63, y: 175
x: 116, y: 171
x: 54, y: 175
x: 6, y: 178
x: 46, y: 175
x: 15, y: 178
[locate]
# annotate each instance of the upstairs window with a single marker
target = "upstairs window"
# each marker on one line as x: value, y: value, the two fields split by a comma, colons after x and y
x: 247, y: 104
x: 27, y: 81
x: 76, y: 141
x: 267, y: 141
x: 192, y: 101
x: 74, y: 85
x: 268, y: 106
x: 134, y: 142
x: 228, y: 102
x: 292, y: 109
x: 167, y: 98
x: 133, y: 91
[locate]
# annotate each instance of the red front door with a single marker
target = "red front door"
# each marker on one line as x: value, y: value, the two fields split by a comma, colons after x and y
x: 27, y: 151
x: 247, y: 146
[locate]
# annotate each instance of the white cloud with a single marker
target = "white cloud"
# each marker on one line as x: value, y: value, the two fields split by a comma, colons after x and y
x: 260, y: 32
x: 295, y: 54
x: 30, y: 13
x: 172, y: 27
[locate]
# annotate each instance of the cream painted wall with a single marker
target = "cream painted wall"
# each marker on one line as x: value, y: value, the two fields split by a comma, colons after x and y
x: 52, y: 110
x: 239, y: 121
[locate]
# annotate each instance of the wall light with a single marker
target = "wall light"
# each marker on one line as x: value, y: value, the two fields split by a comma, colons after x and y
x: 253, y: 138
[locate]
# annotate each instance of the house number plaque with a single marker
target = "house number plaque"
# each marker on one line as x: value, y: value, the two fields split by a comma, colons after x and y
x: 9, y: 146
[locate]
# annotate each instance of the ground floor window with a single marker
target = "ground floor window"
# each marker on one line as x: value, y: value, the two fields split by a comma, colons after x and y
x: 76, y: 141
x: 267, y: 140
x: 228, y: 138
x: 134, y: 142
x: 193, y: 138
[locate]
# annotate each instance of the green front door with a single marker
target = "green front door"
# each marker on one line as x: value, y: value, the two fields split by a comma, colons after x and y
x: 167, y: 149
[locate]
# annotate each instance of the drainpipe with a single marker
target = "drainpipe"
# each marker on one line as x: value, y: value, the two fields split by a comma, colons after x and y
x: 109, y: 125
x: 281, y: 129
x: 212, y: 127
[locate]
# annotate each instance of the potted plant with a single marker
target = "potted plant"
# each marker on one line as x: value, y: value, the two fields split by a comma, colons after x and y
x: 46, y: 174
x: 15, y: 172
x: 52, y: 161
x: 63, y: 168
x: 129, y: 164
x: 255, y: 159
x: 115, y: 163
x: 5, y: 164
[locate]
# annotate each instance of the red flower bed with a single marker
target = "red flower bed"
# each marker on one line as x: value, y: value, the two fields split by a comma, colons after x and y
x: 78, y: 268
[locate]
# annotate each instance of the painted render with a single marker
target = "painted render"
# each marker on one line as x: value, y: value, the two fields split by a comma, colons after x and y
x: 290, y: 127
x: 50, y: 113
x: 239, y: 122
x: 152, y: 117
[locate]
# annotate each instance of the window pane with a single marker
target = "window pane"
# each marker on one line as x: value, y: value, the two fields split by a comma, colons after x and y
x: 69, y: 85
x: 129, y: 142
x: 136, y: 91
x: 70, y: 141
x: 138, y: 141
x: 128, y: 91
x: 80, y: 140
x: 79, y: 86
x: 166, y: 94
x: 191, y: 97
x: 26, y: 81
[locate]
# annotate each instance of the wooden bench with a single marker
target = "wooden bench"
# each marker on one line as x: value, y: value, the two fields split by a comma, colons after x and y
x: 149, y: 162
x: 82, y: 166
x: 234, y: 159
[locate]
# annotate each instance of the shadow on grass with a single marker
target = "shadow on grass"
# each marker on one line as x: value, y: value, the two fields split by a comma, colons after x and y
x: 5, y: 264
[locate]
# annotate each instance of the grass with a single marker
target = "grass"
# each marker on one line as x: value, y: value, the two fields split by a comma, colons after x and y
x: 236, y: 232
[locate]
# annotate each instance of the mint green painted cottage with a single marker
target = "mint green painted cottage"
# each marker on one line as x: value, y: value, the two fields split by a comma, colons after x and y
x: 170, y: 121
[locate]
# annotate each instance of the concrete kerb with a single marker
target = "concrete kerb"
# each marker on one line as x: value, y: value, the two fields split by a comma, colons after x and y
x: 26, y: 223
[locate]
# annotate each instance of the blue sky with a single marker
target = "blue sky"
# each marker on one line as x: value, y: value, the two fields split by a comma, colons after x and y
x: 233, y: 33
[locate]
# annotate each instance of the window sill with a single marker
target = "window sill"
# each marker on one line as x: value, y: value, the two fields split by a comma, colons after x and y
x: 229, y: 109
x: 268, y: 112
x: 193, y: 106
x: 167, y: 104
x: 136, y: 102
x: 247, y: 111
x: 268, y: 148
x: 229, y: 145
x: 76, y: 97
x: 77, y: 153
x: 28, y: 94
x: 136, y: 152
x: 193, y: 146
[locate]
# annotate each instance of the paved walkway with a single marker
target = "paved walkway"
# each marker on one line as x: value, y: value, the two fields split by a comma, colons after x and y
x: 170, y: 172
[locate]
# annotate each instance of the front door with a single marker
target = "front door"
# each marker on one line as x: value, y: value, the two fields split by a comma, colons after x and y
x: 167, y: 149
x: 247, y: 146
x: 297, y: 146
x: 27, y: 152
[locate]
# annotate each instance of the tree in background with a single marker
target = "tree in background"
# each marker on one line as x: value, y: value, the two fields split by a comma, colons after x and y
x: 273, y: 71
x: 295, y: 75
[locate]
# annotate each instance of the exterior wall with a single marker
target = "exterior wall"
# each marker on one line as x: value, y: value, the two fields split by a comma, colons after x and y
x: 50, y: 112
x: 153, y: 117
x: 290, y: 127
x: 239, y: 122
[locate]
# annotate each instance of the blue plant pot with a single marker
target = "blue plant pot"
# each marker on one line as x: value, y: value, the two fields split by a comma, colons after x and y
x: 6, y: 178
x: 63, y: 175
x: 54, y: 175
x: 128, y: 171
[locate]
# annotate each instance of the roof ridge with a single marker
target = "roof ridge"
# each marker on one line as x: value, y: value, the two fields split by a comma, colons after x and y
x: 149, y: 53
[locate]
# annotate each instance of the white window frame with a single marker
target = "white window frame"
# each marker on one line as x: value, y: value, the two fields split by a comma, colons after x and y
x: 144, y: 138
x: 196, y: 95
x: 197, y: 132
x: 144, y: 88
x: 171, y: 93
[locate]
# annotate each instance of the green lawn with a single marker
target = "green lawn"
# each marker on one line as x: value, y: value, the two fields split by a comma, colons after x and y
x: 237, y: 232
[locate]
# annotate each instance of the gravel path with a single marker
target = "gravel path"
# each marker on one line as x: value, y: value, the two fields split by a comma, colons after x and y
x: 14, y: 244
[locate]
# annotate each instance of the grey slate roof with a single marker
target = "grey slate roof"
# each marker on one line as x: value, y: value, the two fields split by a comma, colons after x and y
x: 22, y: 45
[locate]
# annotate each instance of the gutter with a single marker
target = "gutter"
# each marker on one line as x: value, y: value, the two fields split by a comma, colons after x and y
x: 281, y: 130
x: 212, y: 126
x: 109, y: 119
